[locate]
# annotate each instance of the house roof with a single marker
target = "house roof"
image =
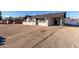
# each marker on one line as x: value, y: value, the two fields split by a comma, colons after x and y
x: 51, y: 15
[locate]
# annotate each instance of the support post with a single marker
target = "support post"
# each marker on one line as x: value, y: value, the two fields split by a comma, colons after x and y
x: 61, y: 22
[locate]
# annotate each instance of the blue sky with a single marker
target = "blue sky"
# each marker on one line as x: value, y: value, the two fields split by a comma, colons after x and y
x: 71, y: 14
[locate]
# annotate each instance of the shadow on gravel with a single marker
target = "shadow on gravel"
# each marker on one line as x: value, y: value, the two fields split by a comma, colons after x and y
x: 2, y: 40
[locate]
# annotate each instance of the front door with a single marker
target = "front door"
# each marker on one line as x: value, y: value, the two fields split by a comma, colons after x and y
x: 55, y: 22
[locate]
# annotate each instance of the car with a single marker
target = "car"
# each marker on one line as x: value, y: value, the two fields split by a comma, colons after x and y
x: 2, y: 40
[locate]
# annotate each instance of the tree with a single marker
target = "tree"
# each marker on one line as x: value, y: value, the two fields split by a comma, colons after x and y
x: 68, y: 18
x: 65, y: 14
x: 0, y: 15
x: 10, y: 18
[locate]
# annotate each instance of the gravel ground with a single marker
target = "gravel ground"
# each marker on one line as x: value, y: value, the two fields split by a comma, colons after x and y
x: 67, y: 37
x: 23, y: 36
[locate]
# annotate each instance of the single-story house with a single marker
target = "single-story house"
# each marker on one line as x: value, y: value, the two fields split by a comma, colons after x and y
x: 72, y: 22
x: 50, y: 19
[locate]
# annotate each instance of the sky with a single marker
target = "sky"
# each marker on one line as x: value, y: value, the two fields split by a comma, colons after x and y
x: 71, y: 14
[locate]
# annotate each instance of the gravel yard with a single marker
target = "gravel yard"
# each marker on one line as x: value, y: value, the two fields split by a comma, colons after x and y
x: 24, y: 36
x: 67, y: 37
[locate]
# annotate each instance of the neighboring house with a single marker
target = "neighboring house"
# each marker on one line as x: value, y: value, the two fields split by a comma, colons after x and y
x: 72, y: 21
x: 46, y: 19
x: 10, y: 20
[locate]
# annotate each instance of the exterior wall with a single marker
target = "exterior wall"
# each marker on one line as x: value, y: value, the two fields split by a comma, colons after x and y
x: 3, y: 21
x: 34, y: 23
x: 10, y: 22
x: 47, y: 23
x: 0, y: 21
x: 50, y: 22
x: 29, y: 23
x: 43, y: 23
x: 24, y: 23
x: 63, y: 21
x: 60, y: 22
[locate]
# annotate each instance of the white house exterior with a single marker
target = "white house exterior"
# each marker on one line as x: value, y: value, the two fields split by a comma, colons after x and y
x: 35, y: 22
x: 29, y: 21
x: 46, y: 20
